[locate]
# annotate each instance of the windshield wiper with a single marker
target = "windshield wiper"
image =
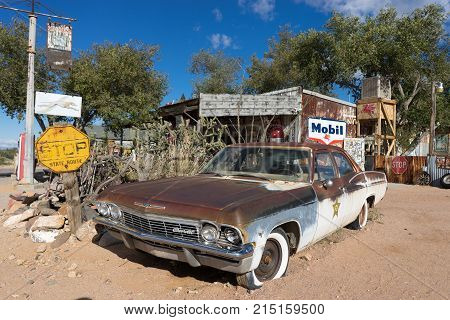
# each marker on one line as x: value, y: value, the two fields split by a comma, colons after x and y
x: 248, y: 175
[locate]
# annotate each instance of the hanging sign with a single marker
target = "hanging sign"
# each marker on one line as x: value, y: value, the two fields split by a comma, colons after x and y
x: 57, y: 105
x: 59, y: 46
x: 327, y: 131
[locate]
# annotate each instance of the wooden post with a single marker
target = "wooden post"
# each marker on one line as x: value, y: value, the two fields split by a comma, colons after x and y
x: 72, y: 191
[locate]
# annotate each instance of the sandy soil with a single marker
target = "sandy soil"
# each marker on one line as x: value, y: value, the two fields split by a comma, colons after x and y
x: 403, y: 254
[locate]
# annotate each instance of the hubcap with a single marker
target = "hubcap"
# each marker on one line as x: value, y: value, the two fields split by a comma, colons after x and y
x: 424, y: 179
x: 270, y: 261
x: 446, y: 180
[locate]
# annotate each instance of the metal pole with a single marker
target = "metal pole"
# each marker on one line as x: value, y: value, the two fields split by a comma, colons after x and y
x: 29, y: 120
x: 433, y: 118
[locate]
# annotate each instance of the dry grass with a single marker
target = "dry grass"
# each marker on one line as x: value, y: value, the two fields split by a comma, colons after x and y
x: 375, y: 216
x: 165, y: 152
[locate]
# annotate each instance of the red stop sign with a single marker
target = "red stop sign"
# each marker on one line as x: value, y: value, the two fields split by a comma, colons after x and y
x: 399, y: 165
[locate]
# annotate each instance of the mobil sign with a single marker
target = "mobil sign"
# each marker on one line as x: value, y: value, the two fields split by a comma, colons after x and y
x: 327, y: 131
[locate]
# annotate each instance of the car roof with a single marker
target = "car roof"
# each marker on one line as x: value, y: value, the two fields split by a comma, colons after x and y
x: 312, y: 145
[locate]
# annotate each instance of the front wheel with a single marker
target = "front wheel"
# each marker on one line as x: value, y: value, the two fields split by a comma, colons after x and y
x: 361, y: 220
x: 445, y: 181
x: 273, y: 264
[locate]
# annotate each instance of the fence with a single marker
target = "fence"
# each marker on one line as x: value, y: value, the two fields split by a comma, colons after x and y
x: 414, y: 168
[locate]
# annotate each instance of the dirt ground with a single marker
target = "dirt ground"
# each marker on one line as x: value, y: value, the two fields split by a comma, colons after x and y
x: 404, y: 253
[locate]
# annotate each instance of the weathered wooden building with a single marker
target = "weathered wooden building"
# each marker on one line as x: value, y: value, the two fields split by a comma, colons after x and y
x: 256, y: 117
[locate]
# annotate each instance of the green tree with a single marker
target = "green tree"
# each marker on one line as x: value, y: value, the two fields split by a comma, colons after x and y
x: 118, y: 83
x: 305, y: 59
x: 215, y: 72
x: 411, y: 51
x: 14, y: 71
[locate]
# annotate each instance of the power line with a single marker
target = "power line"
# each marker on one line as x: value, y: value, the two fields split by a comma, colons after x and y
x: 46, y: 7
x: 23, y: 16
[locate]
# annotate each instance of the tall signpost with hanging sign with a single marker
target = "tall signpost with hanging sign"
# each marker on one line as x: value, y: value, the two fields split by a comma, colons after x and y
x: 59, y: 46
x: 31, y: 49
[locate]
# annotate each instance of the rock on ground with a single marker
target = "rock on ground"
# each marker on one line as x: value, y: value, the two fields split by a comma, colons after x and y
x: 60, y: 240
x: 48, y: 223
x: 15, y: 219
x: 39, y: 204
x: 85, y: 230
x: 47, y: 212
x: 15, y: 207
x: 45, y: 236
x: 41, y: 249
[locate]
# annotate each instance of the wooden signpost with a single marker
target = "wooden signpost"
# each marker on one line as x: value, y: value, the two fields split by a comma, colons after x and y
x: 64, y: 149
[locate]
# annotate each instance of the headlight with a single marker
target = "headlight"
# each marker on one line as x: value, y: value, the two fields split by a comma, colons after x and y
x: 232, y: 235
x: 114, y: 211
x: 209, y: 232
x: 102, y: 208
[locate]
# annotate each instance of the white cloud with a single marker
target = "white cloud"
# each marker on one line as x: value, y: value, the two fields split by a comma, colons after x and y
x: 264, y: 8
x: 220, y: 41
x: 217, y: 14
x: 369, y: 7
x: 196, y: 28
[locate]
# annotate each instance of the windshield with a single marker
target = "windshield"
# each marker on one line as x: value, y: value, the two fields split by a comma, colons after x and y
x: 262, y: 162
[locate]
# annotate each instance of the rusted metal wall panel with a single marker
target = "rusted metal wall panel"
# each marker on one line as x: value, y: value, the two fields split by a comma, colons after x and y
x: 438, y: 166
x: 314, y: 106
x: 225, y: 105
x: 414, y: 168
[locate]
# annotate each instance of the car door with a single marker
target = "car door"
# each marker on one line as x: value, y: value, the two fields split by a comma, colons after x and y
x: 354, y: 186
x: 330, y: 194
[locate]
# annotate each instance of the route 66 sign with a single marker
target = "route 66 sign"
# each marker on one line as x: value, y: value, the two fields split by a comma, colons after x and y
x: 63, y: 148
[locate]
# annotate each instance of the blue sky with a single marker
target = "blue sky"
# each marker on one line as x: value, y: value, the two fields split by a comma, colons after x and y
x: 181, y: 28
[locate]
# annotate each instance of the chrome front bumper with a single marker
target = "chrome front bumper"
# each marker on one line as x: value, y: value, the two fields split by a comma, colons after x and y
x: 194, y: 253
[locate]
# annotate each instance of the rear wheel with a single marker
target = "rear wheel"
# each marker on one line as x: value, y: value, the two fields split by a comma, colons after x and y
x: 424, y: 179
x: 361, y: 220
x: 273, y: 264
x: 445, y: 181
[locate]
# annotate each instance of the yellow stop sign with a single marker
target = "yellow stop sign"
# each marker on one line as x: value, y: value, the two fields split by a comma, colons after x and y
x: 62, y: 148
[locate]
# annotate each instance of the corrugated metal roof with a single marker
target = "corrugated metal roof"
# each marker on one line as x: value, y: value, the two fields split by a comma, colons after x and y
x: 319, y: 95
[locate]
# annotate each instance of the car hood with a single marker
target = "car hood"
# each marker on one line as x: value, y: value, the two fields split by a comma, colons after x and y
x: 198, y: 197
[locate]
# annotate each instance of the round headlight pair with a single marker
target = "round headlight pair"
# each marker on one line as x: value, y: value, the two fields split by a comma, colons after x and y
x: 114, y: 211
x: 103, y: 209
x: 109, y: 210
x: 209, y: 232
x: 232, y: 235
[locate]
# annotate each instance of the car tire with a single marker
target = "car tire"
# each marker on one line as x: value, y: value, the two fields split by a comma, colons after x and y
x: 424, y: 179
x: 273, y: 264
x: 361, y: 220
x: 445, y: 181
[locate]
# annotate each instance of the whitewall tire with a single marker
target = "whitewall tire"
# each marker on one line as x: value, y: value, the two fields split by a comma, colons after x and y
x: 361, y: 220
x: 273, y: 264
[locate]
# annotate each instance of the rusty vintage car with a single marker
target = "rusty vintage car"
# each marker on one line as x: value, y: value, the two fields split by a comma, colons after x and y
x: 248, y: 211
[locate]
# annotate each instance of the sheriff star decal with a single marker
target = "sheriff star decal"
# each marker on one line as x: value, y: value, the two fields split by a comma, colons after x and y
x: 336, y: 208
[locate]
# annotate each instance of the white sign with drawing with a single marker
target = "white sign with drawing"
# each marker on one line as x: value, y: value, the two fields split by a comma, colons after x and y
x: 57, y: 105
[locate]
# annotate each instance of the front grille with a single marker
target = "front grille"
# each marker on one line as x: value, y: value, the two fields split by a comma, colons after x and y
x: 162, y: 228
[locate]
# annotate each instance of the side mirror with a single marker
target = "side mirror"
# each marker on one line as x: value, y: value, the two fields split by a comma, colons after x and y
x: 327, y: 183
